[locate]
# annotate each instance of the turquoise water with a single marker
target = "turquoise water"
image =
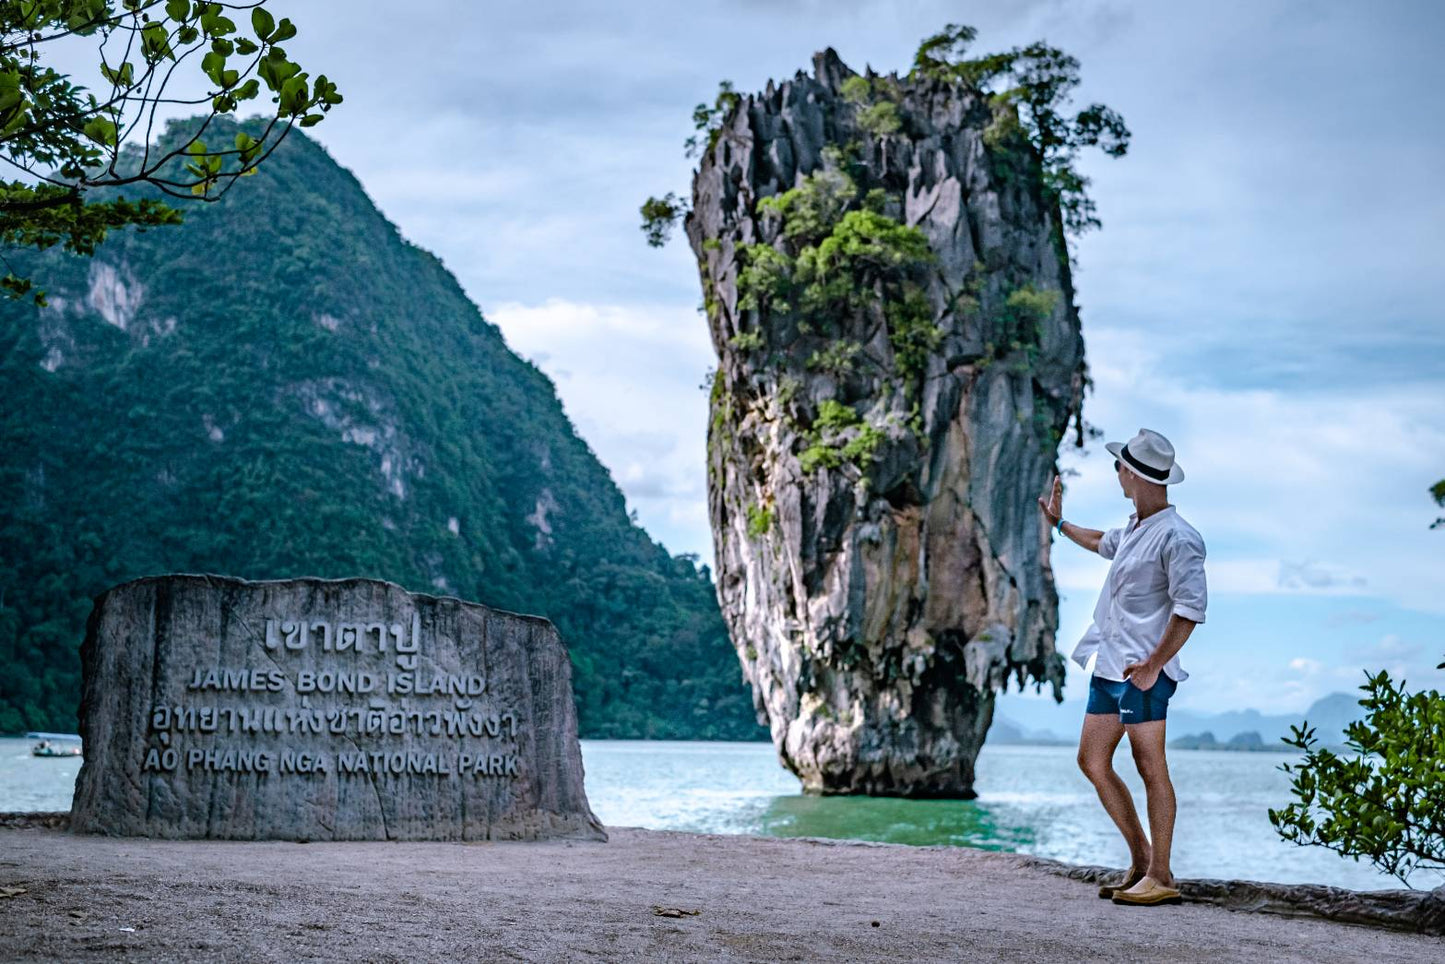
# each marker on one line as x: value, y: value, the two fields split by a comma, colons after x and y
x: 1032, y: 799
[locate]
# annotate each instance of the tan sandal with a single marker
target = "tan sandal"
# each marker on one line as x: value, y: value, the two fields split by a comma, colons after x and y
x: 1155, y: 894
x: 1133, y: 878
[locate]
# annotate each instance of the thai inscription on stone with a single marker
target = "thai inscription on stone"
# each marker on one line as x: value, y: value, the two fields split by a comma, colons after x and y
x: 315, y: 709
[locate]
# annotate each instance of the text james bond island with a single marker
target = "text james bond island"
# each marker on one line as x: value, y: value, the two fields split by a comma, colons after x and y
x: 324, y: 710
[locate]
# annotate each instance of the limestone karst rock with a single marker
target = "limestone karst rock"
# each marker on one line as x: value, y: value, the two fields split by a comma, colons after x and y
x: 881, y: 562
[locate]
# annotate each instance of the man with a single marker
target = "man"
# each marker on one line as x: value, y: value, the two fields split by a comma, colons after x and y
x: 1152, y: 598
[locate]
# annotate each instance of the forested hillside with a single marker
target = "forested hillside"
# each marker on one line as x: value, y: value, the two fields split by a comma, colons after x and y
x: 284, y: 386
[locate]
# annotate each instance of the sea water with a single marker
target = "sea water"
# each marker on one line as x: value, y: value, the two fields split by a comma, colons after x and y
x: 1032, y: 799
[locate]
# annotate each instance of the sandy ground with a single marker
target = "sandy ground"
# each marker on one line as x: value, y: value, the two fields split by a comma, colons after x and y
x: 757, y: 898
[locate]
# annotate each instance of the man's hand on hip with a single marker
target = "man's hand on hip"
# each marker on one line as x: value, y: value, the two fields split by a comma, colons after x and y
x: 1143, y: 674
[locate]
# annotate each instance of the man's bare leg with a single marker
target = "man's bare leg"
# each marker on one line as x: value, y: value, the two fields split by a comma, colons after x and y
x: 1146, y: 740
x: 1101, y: 734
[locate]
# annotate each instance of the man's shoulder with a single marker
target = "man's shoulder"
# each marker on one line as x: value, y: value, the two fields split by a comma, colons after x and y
x: 1181, y: 529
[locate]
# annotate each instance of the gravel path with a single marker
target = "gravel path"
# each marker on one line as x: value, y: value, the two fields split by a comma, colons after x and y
x: 756, y: 898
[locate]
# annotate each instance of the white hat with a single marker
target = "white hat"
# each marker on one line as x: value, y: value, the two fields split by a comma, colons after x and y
x: 1149, y: 456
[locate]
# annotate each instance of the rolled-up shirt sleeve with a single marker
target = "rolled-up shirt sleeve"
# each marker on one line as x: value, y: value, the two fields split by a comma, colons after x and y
x: 1109, y: 542
x: 1183, y: 557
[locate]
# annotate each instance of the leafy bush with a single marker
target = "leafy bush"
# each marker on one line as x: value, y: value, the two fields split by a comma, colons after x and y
x: 1386, y: 803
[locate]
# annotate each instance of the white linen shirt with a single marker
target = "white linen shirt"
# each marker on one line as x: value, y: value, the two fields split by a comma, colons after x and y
x: 1157, y: 571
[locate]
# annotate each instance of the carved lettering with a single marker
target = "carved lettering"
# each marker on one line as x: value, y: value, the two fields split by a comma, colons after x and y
x: 327, y: 710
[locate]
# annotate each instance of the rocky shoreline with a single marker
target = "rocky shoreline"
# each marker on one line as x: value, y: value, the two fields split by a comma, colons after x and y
x: 649, y: 894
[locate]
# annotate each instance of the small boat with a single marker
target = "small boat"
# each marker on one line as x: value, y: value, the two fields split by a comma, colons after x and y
x: 55, y: 744
x: 48, y: 749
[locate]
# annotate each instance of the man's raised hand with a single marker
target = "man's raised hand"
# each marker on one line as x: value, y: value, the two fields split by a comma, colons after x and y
x: 1053, y: 508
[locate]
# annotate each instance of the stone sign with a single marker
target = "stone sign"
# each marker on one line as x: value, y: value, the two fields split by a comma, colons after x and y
x: 315, y: 709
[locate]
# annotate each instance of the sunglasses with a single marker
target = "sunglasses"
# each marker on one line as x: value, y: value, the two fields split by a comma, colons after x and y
x: 1117, y: 466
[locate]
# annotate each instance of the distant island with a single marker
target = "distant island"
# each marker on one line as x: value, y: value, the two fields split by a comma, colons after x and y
x: 1247, y: 742
x: 1042, y: 720
x: 1005, y: 732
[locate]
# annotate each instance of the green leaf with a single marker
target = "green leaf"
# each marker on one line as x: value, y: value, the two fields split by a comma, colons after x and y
x: 263, y: 23
x: 155, y: 42
x: 178, y: 9
x: 101, y: 130
x: 294, y: 97
x: 211, y: 64
x: 245, y: 47
x: 122, y: 76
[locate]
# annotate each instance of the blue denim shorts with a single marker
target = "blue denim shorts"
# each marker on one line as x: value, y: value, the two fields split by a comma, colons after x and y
x: 1132, y: 704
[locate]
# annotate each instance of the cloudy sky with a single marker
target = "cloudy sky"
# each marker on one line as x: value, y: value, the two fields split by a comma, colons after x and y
x: 1266, y: 290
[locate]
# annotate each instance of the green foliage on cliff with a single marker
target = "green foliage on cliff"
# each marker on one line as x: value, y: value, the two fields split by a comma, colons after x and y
x: 286, y: 387
x: 1437, y: 492
x: 1028, y: 89
x: 838, y: 254
x: 876, y: 99
x: 839, y: 435
x: 760, y: 520
x: 1020, y: 322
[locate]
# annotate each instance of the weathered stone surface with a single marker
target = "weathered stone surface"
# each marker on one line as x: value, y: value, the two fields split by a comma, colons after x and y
x: 878, y: 610
x: 314, y: 709
x: 1421, y: 911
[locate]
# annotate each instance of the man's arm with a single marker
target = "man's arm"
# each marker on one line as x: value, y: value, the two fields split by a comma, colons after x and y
x: 1176, y: 634
x: 1053, y: 508
x: 1088, y: 538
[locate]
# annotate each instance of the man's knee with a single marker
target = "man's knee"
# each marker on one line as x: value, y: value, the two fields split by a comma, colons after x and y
x: 1152, y: 767
x: 1095, y: 766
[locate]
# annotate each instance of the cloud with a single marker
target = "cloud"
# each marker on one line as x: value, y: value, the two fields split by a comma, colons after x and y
x: 628, y: 377
x: 1349, y: 617
x: 1309, y: 575
x: 1399, y: 657
x: 1277, y: 480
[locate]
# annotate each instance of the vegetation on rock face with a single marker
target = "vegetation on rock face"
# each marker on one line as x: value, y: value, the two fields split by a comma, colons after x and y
x: 877, y: 101
x: 1386, y: 803
x: 1437, y: 492
x: 1028, y: 88
x: 71, y: 143
x: 322, y: 401
x: 760, y: 520
x: 838, y: 249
